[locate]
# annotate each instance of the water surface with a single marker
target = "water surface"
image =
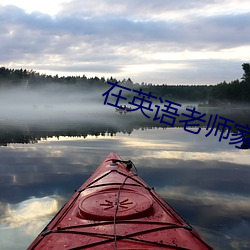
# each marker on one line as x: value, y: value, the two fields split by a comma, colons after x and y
x: 206, y: 181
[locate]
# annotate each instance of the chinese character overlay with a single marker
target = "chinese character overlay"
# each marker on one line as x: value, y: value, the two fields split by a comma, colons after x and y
x: 191, y: 118
x: 242, y: 137
x: 118, y: 96
x: 221, y: 125
x: 170, y: 112
x: 143, y: 103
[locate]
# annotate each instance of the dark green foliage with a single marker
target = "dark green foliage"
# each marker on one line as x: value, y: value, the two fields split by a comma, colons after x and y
x: 222, y: 93
x: 31, y: 79
x: 233, y: 92
x: 246, y: 75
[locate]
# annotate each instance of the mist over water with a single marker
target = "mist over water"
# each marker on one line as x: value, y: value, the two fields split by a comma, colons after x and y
x: 198, y: 175
x: 62, y: 103
x: 51, y: 103
x: 29, y: 114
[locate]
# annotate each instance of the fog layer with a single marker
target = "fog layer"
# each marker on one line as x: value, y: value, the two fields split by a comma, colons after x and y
x: 51, y: 103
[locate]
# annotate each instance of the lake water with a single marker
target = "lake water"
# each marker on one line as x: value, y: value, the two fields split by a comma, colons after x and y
x: 206, y: 181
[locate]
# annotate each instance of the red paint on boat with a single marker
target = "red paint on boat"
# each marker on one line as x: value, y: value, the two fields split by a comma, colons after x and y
x: 116, y: 209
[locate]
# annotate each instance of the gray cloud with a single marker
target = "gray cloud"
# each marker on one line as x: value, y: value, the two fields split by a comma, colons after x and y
x: 225, y: 29
x: 132, y: 8
x: 106, y: 40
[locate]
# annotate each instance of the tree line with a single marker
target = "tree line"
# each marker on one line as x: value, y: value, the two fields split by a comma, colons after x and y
x: 236, y: 91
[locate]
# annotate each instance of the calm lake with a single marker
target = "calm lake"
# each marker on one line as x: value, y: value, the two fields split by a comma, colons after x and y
x: 204, y: 180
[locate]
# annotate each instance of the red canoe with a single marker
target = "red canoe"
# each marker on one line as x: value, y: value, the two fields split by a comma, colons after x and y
x: 116, y: 209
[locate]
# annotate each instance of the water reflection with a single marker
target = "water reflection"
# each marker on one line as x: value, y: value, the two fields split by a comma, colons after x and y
x: 206, y: 181
x: 21, y: 221
x: 31, y: 210
x: 106, y: 122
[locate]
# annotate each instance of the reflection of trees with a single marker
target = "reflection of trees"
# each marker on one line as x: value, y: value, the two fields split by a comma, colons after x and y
x: 8, y: 137
x: 116, y: 124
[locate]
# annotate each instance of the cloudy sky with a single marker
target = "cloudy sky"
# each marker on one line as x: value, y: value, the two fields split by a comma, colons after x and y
x: 157, y: 41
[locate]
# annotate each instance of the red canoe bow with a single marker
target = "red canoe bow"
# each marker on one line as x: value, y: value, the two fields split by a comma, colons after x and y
x: 116, y: 209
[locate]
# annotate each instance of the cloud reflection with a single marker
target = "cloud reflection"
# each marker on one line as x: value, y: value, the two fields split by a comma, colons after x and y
x: 241, y: 158
x: 29, y: 211
x: 225, y: 215
x: 228, y: 203
x: 206, y: 181
x: 22, y: 222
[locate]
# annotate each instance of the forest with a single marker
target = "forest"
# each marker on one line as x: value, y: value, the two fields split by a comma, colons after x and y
x: 224, y: 93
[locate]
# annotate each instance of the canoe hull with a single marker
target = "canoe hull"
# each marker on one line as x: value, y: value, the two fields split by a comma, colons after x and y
x: 116, y: 209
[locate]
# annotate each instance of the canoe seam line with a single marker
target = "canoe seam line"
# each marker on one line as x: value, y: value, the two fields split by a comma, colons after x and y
x: 117, y: 205
x: 128, y: 236
x: 128, y: 176
x: 150, y: 191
